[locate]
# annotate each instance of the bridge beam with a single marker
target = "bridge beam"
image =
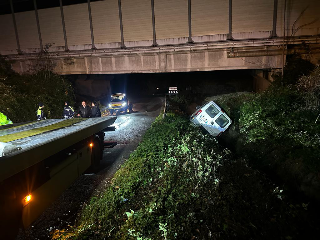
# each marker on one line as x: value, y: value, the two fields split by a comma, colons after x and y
x: 154, y: 62
x: 265, y: 54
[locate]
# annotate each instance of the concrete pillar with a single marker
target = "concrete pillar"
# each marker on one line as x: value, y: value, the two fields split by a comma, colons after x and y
x: 261, y: 80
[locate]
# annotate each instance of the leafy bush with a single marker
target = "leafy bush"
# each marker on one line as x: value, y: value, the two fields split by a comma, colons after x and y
x: 280, y: 115
x: 295, y: 68
x: 180, y: 184
x: 20, y: 94
x: 279, y: 134
x: 310, y: 87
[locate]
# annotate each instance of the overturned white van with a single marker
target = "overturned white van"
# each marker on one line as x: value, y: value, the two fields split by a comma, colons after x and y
x: 212, y: 118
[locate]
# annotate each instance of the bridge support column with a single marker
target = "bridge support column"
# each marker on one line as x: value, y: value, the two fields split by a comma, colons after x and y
x: 230, y: 21
x: 153, y: 25
x: 275, y: 13
x: 262, y: 79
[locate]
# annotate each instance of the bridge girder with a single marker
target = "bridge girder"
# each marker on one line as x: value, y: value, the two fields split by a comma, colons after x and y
x: 225, y: 55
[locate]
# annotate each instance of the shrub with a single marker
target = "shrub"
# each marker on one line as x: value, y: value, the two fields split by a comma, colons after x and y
x: 180, y: 184
x: 295, y: 68
x: 20, y: 94
x: 310, y: 87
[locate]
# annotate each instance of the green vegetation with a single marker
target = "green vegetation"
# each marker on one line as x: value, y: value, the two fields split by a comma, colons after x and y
x: 295, y: 68
x: 181, y: 183
x: 280, y: 115
x: 278, y: 131
x: 20, y: 94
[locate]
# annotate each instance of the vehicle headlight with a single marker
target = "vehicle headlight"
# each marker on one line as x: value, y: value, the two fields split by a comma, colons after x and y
x: 124, y: 104
x: 110, y: 106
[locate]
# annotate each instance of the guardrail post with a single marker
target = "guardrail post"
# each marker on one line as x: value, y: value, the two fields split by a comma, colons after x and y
x: 15, y: 28
x: 230, y: 21
x: 64, y: 28
x: 38, y: 23
x: 121, y: 24
x: 91, y: 26
x: 153, y: 25
x: 189, y: 22
x: 275, y: 14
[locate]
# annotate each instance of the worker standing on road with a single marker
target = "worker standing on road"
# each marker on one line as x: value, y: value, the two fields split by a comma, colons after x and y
x: 4, y: 120
x: 95, y: 110
x: 68, y: 111
x: 84, y: 110
x: 40, y: 113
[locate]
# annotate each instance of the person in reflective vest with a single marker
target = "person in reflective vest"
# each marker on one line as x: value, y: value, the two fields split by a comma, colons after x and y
x: 68, y: 111
x: 4, y: 120
x: 40, y: 113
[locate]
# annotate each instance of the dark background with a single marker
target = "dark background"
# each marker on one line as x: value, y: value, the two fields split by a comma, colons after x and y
x: 27, y: 5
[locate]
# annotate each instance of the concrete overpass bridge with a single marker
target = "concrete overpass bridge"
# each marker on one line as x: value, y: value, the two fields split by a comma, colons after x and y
x: 129, y: 36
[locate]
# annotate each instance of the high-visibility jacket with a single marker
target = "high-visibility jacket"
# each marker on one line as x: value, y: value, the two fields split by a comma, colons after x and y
x: 4, y: 120
x: 68, y: 112
x: 40, y: 114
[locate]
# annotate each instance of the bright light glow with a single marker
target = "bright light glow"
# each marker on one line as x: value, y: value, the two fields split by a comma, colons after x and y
x: 124, y: 123
x: 91, y: 144
x: 124, y: 104
x: 27, y: 199
x: 110, y: 105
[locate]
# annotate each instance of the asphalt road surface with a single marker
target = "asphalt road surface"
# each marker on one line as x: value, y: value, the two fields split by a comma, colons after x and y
x: 129, y: 129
